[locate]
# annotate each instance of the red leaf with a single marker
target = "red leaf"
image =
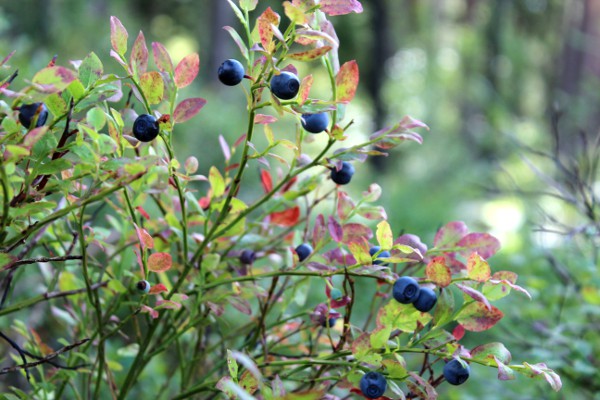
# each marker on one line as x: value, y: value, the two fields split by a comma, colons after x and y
x: 267, y: 181
x: 264, y: 119
x: 289, y: 184
x: 346, y: 81
x: 118, y: 36
x: 475, y: 295
x: 335, y: 229
x: 161, y: 57
x: 160, y: 262
x: 187, y: 109
x: 288, y: 217
x: 353, y: 231
x: 266, y: 21
x: 186, y: 70
x: 138, y: 61
x: 476, y: 317
x: 340, y: 7
x: 153, y: 313
x: 458, y: 332
x: 158, y: 288
x: 345, y: 205
x: 144, y: 237
x: 484, y: 244
x: 143, y: 212
x: 450, y: 234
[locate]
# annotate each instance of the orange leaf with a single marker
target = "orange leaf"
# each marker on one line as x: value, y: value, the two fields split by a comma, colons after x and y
x: 288, y: 217
x: 160, y: 262
x: 144, y: 237
x: 158, y: 288
x: 346, y: 81
x: 267, y: 181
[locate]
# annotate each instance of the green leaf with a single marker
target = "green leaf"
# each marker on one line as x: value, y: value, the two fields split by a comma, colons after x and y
x: 380, y: 336
x: 54, y: 79
x: 118, y: 36
x: 217, y: 183
x: 438, y: 272
x: 396, y: 369
x: 477, y: 268
x: 401, y: 316
x: 360, y: 251
x: 384, y: 234
x: 248, y: 5
x: 96, y: 118
x: 232, y: 366
x: 210, y: 262
x: 90, y: 70
x: 444, y: 308
x: 153, y: 86
x: 491, y: 351
x: 346, y: 81
x: 238, y: 40
x: 54, y: 166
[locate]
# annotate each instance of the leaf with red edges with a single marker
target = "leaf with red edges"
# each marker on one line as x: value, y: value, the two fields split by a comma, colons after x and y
x: 310, y: 55
x: 346, y: 81
x: 264, y: 119
x: 144, y: 237
x: 335, y: 229
x: 438, y: 272
x: 476, y: 317
x: 187, y: 109
x: 340, y: 7
x: 304, y: 90
x: 475, y: 295
x: 450, y: 234
x: 477, y: 268
x: 118, y: 36
x: 160, y: 262
x: 484, y: 244
x: 288, y: 217
x: 138, y: 60
x: 158, y: 288
x: 266, y: 21
x: 162, y: 59
x: 186, y: 70
x: 143, y: 212
x: 345, y: 205
x: 153, y: 313
x: 266, y: 180
x: 354, y: 231
x: 319, y: 231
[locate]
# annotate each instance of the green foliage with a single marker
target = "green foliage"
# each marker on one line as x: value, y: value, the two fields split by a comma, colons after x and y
x: 98, y: 211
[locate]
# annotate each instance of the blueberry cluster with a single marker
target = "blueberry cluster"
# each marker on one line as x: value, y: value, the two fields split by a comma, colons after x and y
x: 408, y: 291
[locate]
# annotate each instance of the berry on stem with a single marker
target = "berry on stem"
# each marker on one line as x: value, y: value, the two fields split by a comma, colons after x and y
x: 373, y: 385
x: 143, y: 286
x: 384, y: 254
x: 231, y: 72
x: 315, y: 123
x: 247, y: 256
x: 406, y: 290
x: 331, y: 322
x: 344, y: 175
x: 285, y: 86
x: 425, y: 300
x: 455, y: 373
x: 145, y: 128
x: 304, y: 251
x: 27, y: 113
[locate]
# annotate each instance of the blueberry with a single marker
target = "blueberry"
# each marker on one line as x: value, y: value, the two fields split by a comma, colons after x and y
x: 455, y: 373
x: 384, y: 254
x: 336, y: 294
x: 304, y: 251
x: 247, y: 257
x: 231, y: 72
x: 406, y: 290
x: 27, y: 113
x: 143, y: 286
x: 425, y: 300
x: 315, y: 123
x: 145, y: 128
x: 344, y: 175
x: 373, y: 385
x: 285, y: 85
x: 330, y: 321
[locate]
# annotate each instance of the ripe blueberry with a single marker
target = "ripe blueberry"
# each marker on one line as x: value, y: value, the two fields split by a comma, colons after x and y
x: 384, y: 254
x: 373, y: 385
x: 143, y: 286
x: 406, y: 290
x: 315, y: 123
x: 304, y: 251
x: 27, y: 114
x: 247, y: 256
x: 330, y: 321
x: 344, y: 175
x: 145, y: 128
x: 336, y: 294
x: 285, y: 85
x: 455, y: 373
x: 425, y: 300
x: 231, y: 72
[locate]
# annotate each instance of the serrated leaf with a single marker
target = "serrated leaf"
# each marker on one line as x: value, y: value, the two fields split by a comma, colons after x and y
x: 153, y: 87
x: 384, y: 234
x: 160, y: 262
x: 438, y: 272
x: 346, y: 81
x: 477, y: 268
x: 187, y: 109
x: 186, y: 70
x: 118, y: 36
x: 162, y: 59
x: 476, y: 317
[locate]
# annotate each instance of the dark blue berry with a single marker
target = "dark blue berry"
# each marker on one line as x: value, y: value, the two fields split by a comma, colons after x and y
x: 425, y: 300
x: 344, y: 175
x: 27, y: 113
x: 247, y: 256
x: 455, y: 373
x: 315, y: 123
x: 143, y: 286
x: 231, y: 72
x: 330, y: 321
x: 304, y: 251
x: 145, y: 128
x: 384, y: 254
x: 373, y: 385
x: 285, y: 85
x: 406, y: 290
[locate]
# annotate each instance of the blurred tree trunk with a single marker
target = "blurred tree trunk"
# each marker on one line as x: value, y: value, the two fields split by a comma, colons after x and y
x: 220, y: 46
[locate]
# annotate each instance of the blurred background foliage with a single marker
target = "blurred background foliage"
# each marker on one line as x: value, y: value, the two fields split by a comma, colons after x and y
x: 490, y: 78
